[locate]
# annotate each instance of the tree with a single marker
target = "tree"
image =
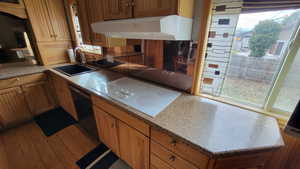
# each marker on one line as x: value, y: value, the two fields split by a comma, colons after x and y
x: 265, y: 34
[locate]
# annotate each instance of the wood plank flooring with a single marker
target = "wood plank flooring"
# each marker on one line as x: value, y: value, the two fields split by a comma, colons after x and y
x: 26, y: 147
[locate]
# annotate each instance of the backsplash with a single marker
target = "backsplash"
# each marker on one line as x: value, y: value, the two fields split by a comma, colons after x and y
x: 170, y: 63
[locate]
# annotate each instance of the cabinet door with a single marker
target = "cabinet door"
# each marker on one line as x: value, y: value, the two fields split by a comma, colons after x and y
x: 13, y: 107
x: 147, y: 8
x: 58, y: 19
x: 38, y: 98
x: 107, y: 129
x: 64, y: 96
x: 95, y: 14
x: 84, y: 22
x: 134, y: 147
x: 54, y: 52
x: 40, y: 20
x: 117, y: 9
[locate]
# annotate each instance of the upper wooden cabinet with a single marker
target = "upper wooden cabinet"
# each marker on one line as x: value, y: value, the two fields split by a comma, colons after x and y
x: 40, y: 21
x: 84, y: 22
x: 122, y: 9
x: 117, y: 9
x: 50, y: 27
x: 95, y: 15
x: 58, y: 19
x: 48, y: 19
x: 146, y: 8
x: 91, y: 11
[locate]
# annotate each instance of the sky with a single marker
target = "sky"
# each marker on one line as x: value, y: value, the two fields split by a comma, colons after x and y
x: 248, y: 21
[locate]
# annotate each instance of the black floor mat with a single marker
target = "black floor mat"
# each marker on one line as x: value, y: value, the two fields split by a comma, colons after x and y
x: 54, y: 120
x: 106, y: 162
x: 92, y: 156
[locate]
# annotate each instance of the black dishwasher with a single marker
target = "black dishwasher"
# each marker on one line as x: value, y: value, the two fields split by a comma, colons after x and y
x: 84, y: 109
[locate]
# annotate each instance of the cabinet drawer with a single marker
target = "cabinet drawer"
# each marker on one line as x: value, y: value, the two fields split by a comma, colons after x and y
x: 33, y: 78
x: 157, y: 163
x: 122, y: 115
x: 170, y: 158
x: 17, y: 81
x: 180, y: 148
x: 7, y: 83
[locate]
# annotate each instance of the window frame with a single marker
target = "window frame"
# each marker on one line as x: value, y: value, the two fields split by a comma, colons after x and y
x: 289, y: 59
x: 268, y: 108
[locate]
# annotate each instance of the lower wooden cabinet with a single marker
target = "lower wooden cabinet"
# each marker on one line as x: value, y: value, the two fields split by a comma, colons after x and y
x: 13, y: 107
x: 107, y: 129
x: 128, y: 143
x: 157, y: 163
x: 134, y: 147
x: 64, y: 95
x: 38, y: 97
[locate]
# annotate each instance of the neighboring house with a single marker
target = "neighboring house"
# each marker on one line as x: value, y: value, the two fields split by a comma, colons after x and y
x: 241, y: 42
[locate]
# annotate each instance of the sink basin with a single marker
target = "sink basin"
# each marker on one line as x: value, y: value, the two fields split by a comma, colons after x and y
x: 72, y: 70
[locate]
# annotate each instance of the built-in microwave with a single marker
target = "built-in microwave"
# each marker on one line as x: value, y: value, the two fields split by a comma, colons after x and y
x: 293, y: 125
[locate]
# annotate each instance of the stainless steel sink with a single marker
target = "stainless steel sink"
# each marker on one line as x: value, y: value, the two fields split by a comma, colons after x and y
x: 72, y: 70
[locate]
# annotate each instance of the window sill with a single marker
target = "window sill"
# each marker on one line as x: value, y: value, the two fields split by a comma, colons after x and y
x: 282, y: 120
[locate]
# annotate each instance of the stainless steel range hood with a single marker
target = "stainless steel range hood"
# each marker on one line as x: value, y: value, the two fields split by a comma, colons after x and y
x: 170, y: 27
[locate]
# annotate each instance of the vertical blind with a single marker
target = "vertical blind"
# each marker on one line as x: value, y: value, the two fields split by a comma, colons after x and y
x: 269, y: 5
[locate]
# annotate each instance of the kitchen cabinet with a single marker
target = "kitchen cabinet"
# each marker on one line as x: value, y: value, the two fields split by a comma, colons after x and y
x: 123, y: 133
x: 124, y: 9
x: 90, y: 11
x: 58, y: 20
x: 107, y: 129
x: 84, y: 22
x: 134, y: 147
x: 13, y: 107
x: 95, y: 16
x: 157, y: 163
x: 38, y: 97
x: 23, y: 97
x: 49, y: 25
x: 64, y: 95
x: 117, y: 9
x: 148, y: 8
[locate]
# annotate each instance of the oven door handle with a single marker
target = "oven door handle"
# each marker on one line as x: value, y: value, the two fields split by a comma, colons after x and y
x: 79, y: 92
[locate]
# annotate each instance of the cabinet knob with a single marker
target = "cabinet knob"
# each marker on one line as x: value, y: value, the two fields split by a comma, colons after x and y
x: 132, y: 4
x: 172, y: 158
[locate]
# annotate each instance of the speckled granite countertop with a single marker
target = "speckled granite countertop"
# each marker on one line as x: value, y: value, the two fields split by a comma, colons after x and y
x: 211, y: 126
x: 19, y: 69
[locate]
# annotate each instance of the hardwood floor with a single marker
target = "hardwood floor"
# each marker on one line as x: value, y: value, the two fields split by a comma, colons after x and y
x: 27, y: 147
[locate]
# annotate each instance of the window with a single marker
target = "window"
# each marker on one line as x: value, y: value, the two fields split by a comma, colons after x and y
x: 289, y: 92
x: 248, y: 59
x: 85, y: 47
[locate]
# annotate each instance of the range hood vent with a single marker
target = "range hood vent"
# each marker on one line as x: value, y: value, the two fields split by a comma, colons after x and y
x: 172, y: 27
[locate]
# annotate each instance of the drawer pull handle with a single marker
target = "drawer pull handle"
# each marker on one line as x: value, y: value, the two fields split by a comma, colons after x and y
x: 174, y: 142
x: 172, y: 158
